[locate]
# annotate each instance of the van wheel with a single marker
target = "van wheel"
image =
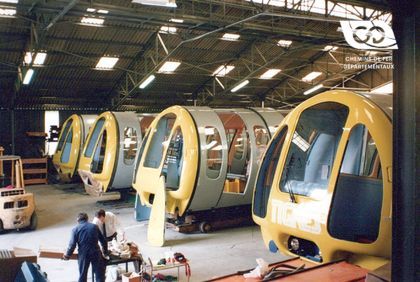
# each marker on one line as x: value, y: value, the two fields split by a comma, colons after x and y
x: 204, y: 227
x: 34, y: 221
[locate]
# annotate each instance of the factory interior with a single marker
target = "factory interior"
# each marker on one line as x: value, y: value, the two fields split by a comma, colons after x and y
x: 209, y: 140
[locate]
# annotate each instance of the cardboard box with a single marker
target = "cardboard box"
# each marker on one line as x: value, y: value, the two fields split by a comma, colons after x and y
x: 131, y: 277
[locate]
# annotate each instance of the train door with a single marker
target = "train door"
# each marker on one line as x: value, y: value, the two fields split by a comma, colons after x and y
x: 357, y: 201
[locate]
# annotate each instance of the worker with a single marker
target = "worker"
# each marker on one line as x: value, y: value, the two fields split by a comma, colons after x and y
x: 86, y: 235
x: 107, y: 223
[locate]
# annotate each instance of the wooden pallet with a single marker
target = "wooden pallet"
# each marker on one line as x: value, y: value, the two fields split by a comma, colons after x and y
x: 35, y: 171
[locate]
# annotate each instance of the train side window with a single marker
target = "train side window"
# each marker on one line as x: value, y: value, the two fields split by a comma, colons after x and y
x: 130, y: 145
x: 214, y: 151
x: 94, y: 137
x: 312, y: 152
x: 261, y: 140
x: 357, y: 201
x: 266, y: 174
x: 65, y: 155
x: 99, y: 156
x: 159, y: 141
x: 64, y: 135
x: 172, y: 165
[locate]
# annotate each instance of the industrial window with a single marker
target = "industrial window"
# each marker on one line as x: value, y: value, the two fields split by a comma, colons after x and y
x: 94, y: 137
x: 355, y: 211
x: 312, y: 151
x: 65, y: 154
x: 266, y: 173
x: 214, y: 151
x: 130, y: 145
x: 51, y: 118
x: 159, y: 141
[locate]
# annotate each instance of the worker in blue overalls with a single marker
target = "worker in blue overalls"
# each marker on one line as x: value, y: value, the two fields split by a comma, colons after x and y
x: 86, y: 235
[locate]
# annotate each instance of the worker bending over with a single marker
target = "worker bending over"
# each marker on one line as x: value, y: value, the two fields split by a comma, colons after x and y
x: 86, y: 236
x: 108, y: 224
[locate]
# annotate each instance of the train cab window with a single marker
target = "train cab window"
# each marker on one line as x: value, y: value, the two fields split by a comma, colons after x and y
x: 65, y: 155
x: 357, y: 201
x: 94, y: 137
x: 63, y: 135
x: 261, y: 140
x: 214, y: 151
x: 266, y: 174
x: 99, y: 155
x: 172, y: 165
x: 130, y: 145
x: 312, y: 151
x: 159, y: 141
x: 143, y: 144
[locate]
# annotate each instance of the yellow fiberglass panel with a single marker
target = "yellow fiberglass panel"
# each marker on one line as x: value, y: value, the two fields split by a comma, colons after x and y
x: 307, y: 208
x: 69, y: 146
x: 100, y: 154
x: 172, y: 151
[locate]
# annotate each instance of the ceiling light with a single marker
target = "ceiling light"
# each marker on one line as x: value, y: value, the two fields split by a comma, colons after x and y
x: 28, y: 58
x: 176, y: 20
x: 311, y: 76
x: 329, y: 48
x: 106, y: 62
x: 270, y: 73
x: 40, y: 58
x: 223, y: 70
x: 386, y: 88
x: 167, y: 29
x: 9, y: 1
x: 239, y: 86
x: 92, y: 21
x: 148, y: 80
x: 284, y: 43
x: 101, y: 11
x: 313, y: 89
x: 28, y: 76
x: 230, y: 36
x: 161, y: 3
x: 91, y: 10
x: 7, y: 12
x: 169, y: 67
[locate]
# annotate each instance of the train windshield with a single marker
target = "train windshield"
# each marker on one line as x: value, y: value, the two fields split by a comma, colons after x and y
x: 312, y: 151
x: 64, y: 135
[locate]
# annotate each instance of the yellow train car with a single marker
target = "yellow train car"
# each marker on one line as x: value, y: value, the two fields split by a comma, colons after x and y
x: 208, y: 157
x: 324, y: 187
x: 108, y: 157
x: 70, y: 145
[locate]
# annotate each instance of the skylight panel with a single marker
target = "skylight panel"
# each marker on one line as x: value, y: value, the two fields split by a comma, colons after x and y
x: 284, y: 43
x: 92, y: 21
x: 223, y: 70
x: 106, y: 63
x: 169, y: 67
x: 270, y: 73
x: 168, y: 29
x: 230, y: 36
x: 40, y: 58
x: 311, y: 76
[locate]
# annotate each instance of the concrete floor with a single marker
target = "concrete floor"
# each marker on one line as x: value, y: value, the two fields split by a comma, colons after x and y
x: 211, y: 255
